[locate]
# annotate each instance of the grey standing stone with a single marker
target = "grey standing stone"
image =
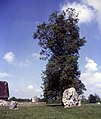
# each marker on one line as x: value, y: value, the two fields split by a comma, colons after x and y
x: 13, y: 105
x: 70, y: 98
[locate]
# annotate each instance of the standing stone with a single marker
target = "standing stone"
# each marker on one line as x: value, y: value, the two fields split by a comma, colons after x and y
x: 13, y: 105
x: 70, y: 98
x: 4, y: 103
x: 35, y: 99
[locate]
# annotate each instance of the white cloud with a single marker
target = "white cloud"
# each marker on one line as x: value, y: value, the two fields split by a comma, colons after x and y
x: 30, y: 87
x: 26, y: 63
x: 86, y: 14
x: 91, y: 65
x: 36, y: 55
x: 96, y: 4
x: 91, y: 77
x: 34, y: 88
x: 9, y: 57
x: 99, y: 86
x: 88, y: 10
x: 16, y: 90
x: 26, y: 91
x: 4, y: 75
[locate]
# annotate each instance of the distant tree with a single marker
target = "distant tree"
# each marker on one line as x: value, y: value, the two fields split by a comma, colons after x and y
x: 92, y: 98
x: 12, y: 99
x: 19, y: 99
x: 83, y: 99
x: 60, y: 42
x: 97, y: 98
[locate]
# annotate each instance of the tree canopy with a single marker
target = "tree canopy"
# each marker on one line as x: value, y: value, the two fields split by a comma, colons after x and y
x: 60, y: 41
x: 94, y: 98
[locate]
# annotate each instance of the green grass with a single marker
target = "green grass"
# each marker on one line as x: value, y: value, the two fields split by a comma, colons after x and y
x: 52, y: 112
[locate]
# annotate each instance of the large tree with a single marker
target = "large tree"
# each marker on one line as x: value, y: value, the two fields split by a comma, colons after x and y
x: 60, y: 41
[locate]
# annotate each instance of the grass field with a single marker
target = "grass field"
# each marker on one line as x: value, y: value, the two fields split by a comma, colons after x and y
x: 52, y: 112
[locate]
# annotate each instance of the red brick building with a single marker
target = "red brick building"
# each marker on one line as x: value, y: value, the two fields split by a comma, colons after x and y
x: 4, y: 90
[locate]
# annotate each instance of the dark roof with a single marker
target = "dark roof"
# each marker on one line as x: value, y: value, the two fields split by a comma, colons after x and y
x: 4, y: 91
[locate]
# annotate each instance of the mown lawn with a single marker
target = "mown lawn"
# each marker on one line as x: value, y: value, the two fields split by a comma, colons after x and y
x: 52, y: 112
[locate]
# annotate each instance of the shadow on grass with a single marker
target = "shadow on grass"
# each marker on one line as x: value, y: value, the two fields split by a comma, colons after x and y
x: 55, y: 105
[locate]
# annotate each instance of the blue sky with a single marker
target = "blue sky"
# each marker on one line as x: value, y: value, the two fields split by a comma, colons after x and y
x: 19, y: 53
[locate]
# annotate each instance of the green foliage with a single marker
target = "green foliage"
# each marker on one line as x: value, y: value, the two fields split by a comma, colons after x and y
x: 98, y: 99
x: 19, y: 99
x: 60, y: 42
x: 94, y: 98
x: 52, y: 112
x: 84, y: 100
